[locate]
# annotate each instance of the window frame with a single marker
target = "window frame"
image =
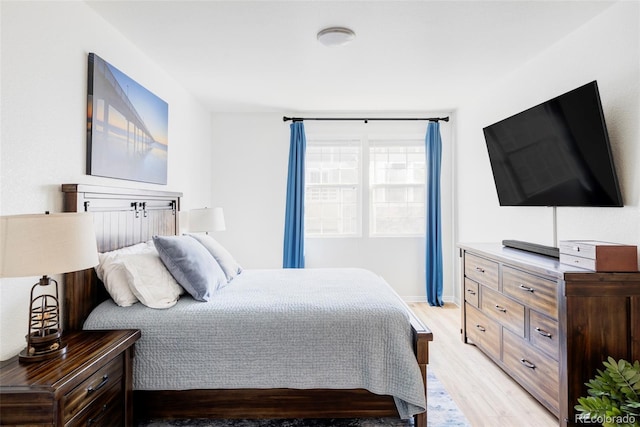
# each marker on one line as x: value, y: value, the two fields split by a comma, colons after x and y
x: 367, y: 135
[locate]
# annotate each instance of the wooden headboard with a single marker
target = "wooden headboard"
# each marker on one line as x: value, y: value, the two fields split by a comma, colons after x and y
x: 122, y: 217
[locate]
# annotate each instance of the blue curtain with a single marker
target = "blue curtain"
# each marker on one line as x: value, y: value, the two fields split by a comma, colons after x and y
x: 294, y: 215
x: 433, y: 150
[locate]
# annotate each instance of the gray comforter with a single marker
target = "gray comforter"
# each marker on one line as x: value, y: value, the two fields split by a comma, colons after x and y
x: 293, y: 328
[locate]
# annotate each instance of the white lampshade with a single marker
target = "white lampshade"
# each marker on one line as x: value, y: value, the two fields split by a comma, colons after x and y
x: 206, y: 219
x: 46, y: 244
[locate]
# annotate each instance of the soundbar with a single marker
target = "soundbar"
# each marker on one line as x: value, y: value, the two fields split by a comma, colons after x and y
x: 532, y: 247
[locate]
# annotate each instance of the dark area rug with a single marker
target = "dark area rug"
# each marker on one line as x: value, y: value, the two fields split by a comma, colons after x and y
x: 442, y: 412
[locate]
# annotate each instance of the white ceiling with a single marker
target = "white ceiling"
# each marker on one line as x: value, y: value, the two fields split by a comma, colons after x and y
x: 407, y: 56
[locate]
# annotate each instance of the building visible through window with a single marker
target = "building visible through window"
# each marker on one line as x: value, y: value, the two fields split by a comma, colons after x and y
x: 372, y: 185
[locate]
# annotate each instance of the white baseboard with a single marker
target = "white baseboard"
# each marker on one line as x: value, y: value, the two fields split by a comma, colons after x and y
x: 422, y: 298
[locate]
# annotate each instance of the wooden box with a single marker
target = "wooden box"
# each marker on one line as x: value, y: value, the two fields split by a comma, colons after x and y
x: 599, y: 256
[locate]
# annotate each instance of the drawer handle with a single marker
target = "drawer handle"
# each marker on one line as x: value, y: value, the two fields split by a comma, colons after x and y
x: 480, y: 269
x: 543, y: 333
x: 576, y: 248
x: 471, y: 291
x: 526, y: 288
x: 105, y: 380
x: 97, y: 418
x: 481, y: 328
x: 528, y: 364
x: 502, y: 309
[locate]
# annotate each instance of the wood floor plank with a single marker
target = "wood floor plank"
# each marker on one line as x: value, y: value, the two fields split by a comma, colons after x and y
x: 483, y: 392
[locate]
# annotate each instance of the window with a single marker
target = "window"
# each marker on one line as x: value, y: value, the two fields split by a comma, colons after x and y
x: 397, y: 188
x: 332, y: 188
x: 371, y: 180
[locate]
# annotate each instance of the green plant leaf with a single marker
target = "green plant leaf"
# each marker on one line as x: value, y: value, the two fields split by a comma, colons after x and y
x: 613, y: 394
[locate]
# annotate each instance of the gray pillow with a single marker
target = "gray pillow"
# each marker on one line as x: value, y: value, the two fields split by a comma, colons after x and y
x: 228, y: 264
x: 193, y: 267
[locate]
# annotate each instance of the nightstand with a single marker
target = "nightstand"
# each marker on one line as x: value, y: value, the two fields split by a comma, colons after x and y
x: 90, y: 385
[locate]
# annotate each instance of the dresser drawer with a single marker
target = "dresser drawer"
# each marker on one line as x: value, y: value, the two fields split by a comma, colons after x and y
x: 105, y: 411
x: 505, y: 310
x: 537, y: 372
x: 484, y: 332
x: 471, y: 292
x: 481, y: 270
x: 543, y: 334
x: 533, y: 291
x: 92, y: 389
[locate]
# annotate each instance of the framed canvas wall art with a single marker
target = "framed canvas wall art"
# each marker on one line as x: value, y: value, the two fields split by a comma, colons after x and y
x: 127, y: 127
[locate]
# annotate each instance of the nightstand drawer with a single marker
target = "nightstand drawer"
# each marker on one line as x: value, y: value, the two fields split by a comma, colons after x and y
x: 105, y: 411
x: 94, y: 387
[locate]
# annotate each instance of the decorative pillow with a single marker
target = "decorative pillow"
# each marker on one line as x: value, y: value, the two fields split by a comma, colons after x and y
x: 150, y: 281
x: 228, y: 264
x: 191, y: 265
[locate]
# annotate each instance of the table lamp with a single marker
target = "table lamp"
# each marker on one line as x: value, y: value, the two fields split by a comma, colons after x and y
x: 206, y: 219
x: 43, y: 244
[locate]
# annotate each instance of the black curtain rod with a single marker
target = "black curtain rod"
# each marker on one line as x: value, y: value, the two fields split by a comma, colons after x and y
x: 301, y: 119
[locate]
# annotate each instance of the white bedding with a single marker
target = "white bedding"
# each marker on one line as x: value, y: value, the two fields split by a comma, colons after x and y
x: 290, y: 328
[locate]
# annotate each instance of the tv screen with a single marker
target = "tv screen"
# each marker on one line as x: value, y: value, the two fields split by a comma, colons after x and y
x: 555, y: 154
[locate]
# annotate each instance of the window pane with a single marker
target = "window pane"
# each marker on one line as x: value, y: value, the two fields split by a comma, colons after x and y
x: 332, y: 189
x: 397, y: 189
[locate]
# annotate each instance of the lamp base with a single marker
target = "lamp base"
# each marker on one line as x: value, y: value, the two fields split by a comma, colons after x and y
x: 44, y: 347
x: 24, y: 355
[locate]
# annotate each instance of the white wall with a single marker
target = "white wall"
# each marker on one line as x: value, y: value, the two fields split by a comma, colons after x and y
x: 606, y: 49
x: 250, y: 184
x: 249, y: 173
x: 43, y: 137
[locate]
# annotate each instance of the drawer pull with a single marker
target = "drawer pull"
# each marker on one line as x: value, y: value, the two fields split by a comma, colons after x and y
x: 528, y: 364
x: 576, y: 248
x: 97, y: 418
x: 526, y: 288
x: 481, y: 328
x: 105, y: 380
x: 501, y: 309
x: 471, y: 291
x: 543, y: 333
x: 480, y: 269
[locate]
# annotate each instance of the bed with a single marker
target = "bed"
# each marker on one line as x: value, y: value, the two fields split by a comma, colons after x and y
x: 126, y: 217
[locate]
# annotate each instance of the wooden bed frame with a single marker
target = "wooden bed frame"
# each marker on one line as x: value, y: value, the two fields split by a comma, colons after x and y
x: 124, y: 217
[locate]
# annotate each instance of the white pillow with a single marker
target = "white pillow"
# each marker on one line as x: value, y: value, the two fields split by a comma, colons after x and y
x: 112, y: 273
x: 107, y: 257
x: 114, y: 277
x: 150, y: 281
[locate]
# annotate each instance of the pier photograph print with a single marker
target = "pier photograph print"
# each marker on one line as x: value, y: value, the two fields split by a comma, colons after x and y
x: 127, y: 127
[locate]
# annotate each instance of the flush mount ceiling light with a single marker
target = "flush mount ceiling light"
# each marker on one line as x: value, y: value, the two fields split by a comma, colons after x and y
x: 336, y: 36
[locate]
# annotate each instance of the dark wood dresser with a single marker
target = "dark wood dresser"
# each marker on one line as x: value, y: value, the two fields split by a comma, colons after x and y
x: 548, y: 325
x: 90, y: 385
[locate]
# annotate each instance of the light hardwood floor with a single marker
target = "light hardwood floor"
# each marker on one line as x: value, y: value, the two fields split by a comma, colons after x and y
x: 484, y: 393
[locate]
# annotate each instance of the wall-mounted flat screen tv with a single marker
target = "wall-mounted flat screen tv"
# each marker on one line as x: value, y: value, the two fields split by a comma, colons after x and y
x: 555, y: 154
